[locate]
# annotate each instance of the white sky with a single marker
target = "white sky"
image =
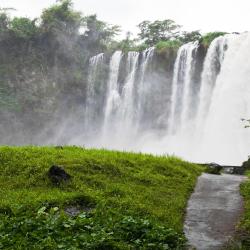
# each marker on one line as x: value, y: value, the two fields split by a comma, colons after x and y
x: 204, y: 15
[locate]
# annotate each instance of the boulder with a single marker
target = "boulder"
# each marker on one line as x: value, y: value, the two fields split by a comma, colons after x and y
x: 58, y: 175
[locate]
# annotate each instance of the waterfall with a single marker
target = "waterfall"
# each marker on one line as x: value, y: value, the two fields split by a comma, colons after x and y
x: 91, y: 105
x: 128, y: 93
x: 143, y: 89
x: 204, y: 109
x: 181, y: 93
x: 212, y: 66
x: 113, y: 96
x: 225, y: 138
x: 146, y: 57
x: 119, y: 117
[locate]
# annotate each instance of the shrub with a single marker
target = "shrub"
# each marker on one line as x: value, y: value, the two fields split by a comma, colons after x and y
x: 209, y: 37
x: 48, y: 228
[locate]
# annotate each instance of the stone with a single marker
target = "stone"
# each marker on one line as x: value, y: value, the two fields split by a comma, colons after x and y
x: 58, y: 175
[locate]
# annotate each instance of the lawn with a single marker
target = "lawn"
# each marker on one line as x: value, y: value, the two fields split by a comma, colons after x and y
x: 126, y: 200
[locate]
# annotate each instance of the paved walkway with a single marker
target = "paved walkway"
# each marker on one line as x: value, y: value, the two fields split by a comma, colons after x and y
x: 213, y: 211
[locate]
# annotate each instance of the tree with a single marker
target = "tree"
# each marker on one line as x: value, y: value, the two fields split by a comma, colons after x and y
x: 23, y: 27
x: 61, y: 18
x: 192, y: 36
x: 126, y: 44
x: 4, y: 23
x: 153, y: 32
x: 99, y: 33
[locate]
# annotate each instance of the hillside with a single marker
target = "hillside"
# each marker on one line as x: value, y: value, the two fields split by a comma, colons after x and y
x: 125, y: 200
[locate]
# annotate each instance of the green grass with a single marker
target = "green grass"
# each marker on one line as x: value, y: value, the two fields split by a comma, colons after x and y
x: 244, y: 227
x: 118, y: 186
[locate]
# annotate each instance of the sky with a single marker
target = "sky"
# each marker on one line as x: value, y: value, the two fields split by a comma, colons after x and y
x: 203, y: 15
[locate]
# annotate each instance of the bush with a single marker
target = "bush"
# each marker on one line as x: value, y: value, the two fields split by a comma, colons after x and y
x: 52, y: 229
x: 209, y: 37
x: 24, y: 27
x: 168, y: 44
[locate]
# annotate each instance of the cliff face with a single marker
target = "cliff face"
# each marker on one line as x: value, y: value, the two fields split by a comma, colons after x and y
x: 38, y: 80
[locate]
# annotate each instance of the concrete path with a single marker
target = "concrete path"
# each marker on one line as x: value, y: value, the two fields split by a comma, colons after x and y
x: 213, y: 211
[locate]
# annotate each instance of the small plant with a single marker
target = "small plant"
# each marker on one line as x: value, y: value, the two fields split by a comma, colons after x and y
x: 49, y: 228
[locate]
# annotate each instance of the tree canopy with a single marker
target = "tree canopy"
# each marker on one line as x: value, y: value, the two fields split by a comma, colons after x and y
x: 61, y: 23
x: 24, y: 27
x: 153, y: 32
x: 61, y: 18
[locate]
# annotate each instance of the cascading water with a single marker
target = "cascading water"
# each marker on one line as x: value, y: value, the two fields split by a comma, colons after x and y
x: 181, y: 94
x: 212, y: 66
x: 120, y: 117
x: 225, y: 138
x: 126, y: 110
x: 221, y: 98
x: 113, y: 96
x: 143, y: 89
x: 91, y: 105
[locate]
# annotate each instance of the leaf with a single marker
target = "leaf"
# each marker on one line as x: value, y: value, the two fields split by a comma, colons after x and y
x: 41, y: 210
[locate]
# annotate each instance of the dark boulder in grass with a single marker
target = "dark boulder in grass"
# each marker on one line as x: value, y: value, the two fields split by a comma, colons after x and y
x: 58, y: 175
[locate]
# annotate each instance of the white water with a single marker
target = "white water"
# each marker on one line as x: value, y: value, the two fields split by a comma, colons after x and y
x: 218, y: 134
x: 113, y: 97
x: 181, y: 97
x: 126, y: 110
x: 91, y: 99
x: 225, y: 138
x: 212, y: 66
x: 142, y: 89
x: 215, y: 135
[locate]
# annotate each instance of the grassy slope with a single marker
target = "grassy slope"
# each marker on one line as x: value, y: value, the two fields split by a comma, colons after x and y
x: 244, y: 227
x: 139, y: 185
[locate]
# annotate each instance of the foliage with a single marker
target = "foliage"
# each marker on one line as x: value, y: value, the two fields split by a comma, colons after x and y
x: 125, y: 45
x: 48, y: 228
x: 140, y: 186
x: 61, y: 17
x: 23, y: 27
x: 174, y: 44
x: 153, y: 32
x: 99, y: 34
x: 244, y: 227
x: 209, y: 37
x: 192, y: 36
x: 4, y: 20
